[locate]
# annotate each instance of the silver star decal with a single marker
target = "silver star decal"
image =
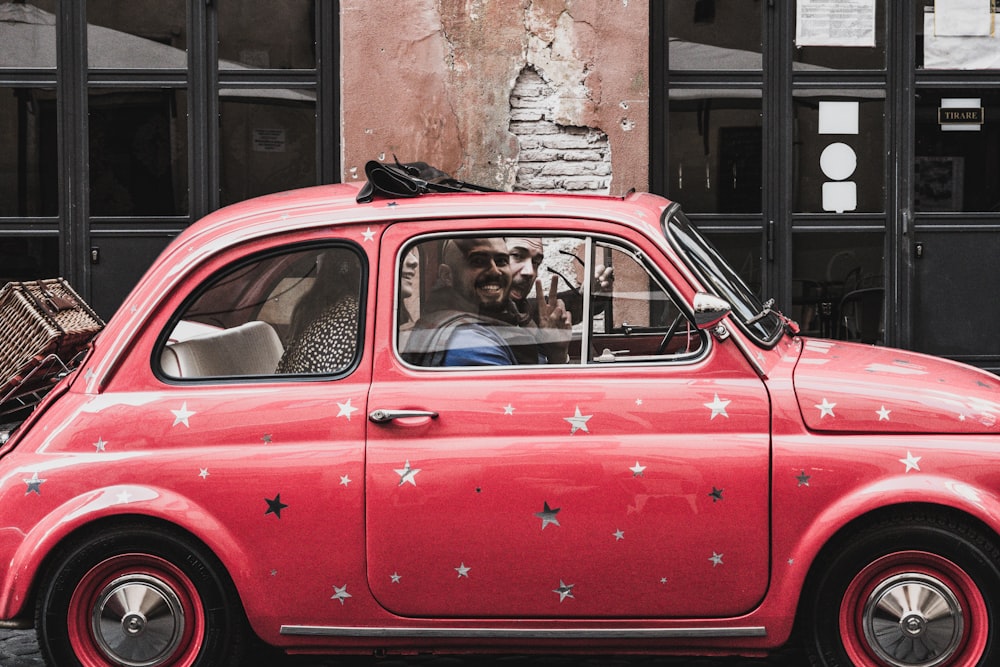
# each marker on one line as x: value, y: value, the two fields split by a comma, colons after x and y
x: 564, y: 590
x: 637, y: 470
x: 407, y: 474
x: 883, y: 414
x: 825, y: 408
x: 34, y: 484
x: 203, y: 473
x: 181, y: 416
x: 100, y: 444
x: 508, y: 409
x: 718, y: 407
x: 395, y: 576
x: 803, y: 478
x: 578, y: 421
x: 340, y: 593
x: 463, y: 571
x: 911, y: 462
x: 548, y: 515
x: 716, y: 559
x: 345, y: 480
x: 346, y: 409
x: 619, y: 535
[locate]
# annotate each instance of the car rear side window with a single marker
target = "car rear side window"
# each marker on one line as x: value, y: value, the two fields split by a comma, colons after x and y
x: 290, y: 313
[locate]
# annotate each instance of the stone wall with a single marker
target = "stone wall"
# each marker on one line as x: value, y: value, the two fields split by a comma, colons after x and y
x: 514, y: 94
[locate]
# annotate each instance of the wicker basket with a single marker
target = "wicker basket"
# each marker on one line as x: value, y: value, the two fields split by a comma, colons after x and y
x: 40, y: 320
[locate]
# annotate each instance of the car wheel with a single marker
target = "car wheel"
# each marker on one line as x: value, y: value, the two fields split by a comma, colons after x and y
x: 140, y: 597
x: 910, y: 591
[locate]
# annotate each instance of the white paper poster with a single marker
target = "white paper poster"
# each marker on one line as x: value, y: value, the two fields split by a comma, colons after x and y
x: 835, y: 23
x: 962, y: 18
x: 949, y: 52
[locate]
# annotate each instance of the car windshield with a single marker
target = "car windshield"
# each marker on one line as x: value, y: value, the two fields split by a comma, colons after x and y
x: 754, y: 317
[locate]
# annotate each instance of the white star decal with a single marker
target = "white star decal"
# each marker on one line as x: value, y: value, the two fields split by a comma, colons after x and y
x: 395, y: 576
x: 181, y: 416
x: 716, y: 559
x: 718, y: 407
x: 340, y: 593
x: 407, y: 474
x: 346, y: 409
x: 825, y: 408
x: 508, y: 409
x: 911, y: 462
x: 124, y: 497
x: 883, y: 414
x: 578, y: 421
x: 34, y: 484
x: 637, y: 470
x: 463, y: 571
x: 203, y: 473
x: 100, y: 444
x: 638, y: 401
x: 564, y: 590
x: 345, y: 480
x: 619, y: 535
x: 368, y: 234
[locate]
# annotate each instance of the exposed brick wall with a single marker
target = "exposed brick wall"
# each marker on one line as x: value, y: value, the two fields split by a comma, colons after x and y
x: 554, y: 157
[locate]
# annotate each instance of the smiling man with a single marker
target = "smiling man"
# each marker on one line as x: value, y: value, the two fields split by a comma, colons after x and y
x: 469, y: 320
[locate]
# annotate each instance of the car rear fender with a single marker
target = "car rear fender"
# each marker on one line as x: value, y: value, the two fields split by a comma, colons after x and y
x: 926, y: 490
x: 83, y: 514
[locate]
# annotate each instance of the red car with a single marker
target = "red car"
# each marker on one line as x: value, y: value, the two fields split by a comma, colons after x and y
x: 341, y: 427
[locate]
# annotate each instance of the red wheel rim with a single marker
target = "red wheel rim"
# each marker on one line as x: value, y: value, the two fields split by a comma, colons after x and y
x: 136, y: 610
x: 913, y: 609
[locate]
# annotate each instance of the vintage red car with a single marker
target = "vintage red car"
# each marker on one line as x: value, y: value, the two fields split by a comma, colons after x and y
x: 268, y: 442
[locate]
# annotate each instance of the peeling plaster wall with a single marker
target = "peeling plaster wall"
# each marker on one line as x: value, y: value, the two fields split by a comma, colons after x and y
x: 432, y: 80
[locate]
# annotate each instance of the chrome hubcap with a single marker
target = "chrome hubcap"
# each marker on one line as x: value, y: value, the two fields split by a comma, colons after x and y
x: 138, y: 621
x: 913, y: 620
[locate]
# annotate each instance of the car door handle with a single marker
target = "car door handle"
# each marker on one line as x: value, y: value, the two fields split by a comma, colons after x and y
x: 383, y: 416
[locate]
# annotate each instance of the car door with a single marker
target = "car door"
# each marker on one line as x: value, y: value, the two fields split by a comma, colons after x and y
x: 630, y: 482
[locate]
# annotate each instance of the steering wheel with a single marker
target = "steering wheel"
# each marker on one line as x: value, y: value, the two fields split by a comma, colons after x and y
x: 671, y: 330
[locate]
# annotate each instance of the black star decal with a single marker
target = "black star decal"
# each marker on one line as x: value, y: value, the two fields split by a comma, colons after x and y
x: 803, y: 478
x: 274, y: 506
x: 716, y: 494
x: 548, y: 515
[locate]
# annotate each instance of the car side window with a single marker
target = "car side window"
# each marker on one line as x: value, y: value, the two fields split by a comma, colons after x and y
x: 638, y: 319
x: 523, y: 299
x: 296, y: 312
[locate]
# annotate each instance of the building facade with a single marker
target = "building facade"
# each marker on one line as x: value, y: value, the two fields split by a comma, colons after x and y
x: 843, y: 155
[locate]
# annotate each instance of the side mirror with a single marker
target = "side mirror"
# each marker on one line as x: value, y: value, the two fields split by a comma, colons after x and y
x: 709, y: 310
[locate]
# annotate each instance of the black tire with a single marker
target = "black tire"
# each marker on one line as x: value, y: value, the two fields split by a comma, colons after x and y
x: 948, y: 570
x: 191, y: 616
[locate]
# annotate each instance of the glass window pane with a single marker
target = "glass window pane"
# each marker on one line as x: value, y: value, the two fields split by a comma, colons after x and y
x: 28, y: 258
x: 742, y: 250
x: 810, y: 59
x: 715, y: 156
x: 714, y: 35
x: 948, y: 40
x: 839, y: 151
x: 138, y: 152
x: 268, y: 35
x: 957, y: 165
x: 268, y: 143
x: 28, y: 152
x: 28, y: 34
x: 838, y: 284
x: 135, y: 35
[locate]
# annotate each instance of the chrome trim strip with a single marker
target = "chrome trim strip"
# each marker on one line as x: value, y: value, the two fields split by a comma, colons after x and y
x: 522, y: 633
